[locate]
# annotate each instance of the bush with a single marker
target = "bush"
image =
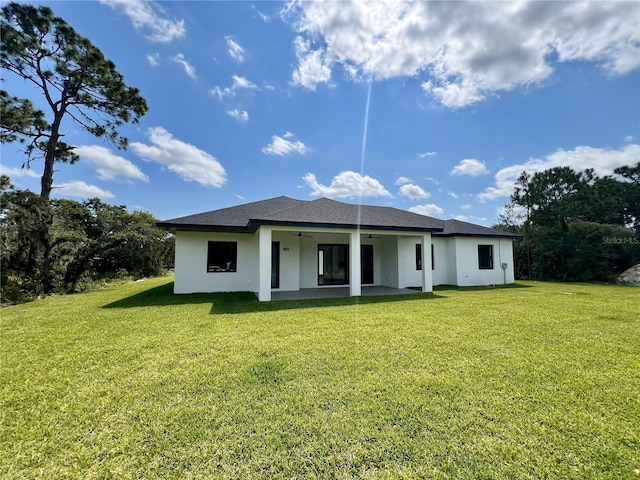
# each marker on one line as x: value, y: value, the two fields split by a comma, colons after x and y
x: 18, y: 288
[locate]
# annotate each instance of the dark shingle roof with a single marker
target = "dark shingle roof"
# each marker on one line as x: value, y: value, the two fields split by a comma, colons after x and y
x: 330, y: 212
x: 287, y: 211
x: 324, y: 213
x: 232, y: 218
x: 458, y: 227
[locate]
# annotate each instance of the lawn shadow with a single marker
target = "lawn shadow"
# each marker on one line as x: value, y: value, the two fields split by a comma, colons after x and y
x: 247, y: 302
x: 160, y: 296
x: 444, y: 288
x: 250, y: 304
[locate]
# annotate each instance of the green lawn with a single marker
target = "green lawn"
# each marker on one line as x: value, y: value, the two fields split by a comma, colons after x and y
x: 531, y: 381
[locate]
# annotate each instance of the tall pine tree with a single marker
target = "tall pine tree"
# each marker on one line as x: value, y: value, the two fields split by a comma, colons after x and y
x: 74, y: 77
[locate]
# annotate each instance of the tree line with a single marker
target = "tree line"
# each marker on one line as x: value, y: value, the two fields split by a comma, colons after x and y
x: 575, y: 226
x: 62, y: 246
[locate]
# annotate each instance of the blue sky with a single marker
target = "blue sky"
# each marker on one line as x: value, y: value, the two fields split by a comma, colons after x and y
x: 249, y: 101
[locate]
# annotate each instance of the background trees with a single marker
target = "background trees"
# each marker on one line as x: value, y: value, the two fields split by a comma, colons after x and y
x: 575, y: 226
x: 87, y: 241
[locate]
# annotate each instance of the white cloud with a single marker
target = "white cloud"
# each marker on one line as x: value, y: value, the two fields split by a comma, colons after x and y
x: 428, y: 209
x: 263, y: 16
x: 471, y: 167
x: 149, y: 15
x: 603, y: 161
x: 188, y: 161
x: 241, y: 116
x: 188, y: 68
x: 347, y: 185
x: 235, y: 50
x: 470, y: 218
x: 403, y: 180
x: 282, y: 146
x: 108, y: 165
x: 460, y: 51
x: 454, y: 195
x: 18, y: 172
x: 454, y: 95
x: 629, y: 138
x: 413, y: 192
x: 241, y: 82
x: 153, y: 59
x: 81, y: 189
x: 427, y: 154
x: 221, y: 92
x: 313, y: 66
x: 238, y: 83
x: 466, y: 207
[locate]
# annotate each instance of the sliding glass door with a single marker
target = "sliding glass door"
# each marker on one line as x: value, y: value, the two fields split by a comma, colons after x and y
x: 333, y: 264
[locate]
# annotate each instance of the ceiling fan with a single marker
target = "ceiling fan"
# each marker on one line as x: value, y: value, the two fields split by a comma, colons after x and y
x: 300, y: 234
x: 371, y: 236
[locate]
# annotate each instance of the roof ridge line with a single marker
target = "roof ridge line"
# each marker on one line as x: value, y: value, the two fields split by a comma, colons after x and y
x: 281, y: 210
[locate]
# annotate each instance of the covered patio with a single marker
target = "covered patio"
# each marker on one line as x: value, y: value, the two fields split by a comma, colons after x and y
x: 339, y: 292
x: 330, y: 262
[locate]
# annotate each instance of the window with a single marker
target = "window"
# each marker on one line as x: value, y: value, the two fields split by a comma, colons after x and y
x: 485, y: 257
x: 419, y: 257
x: 222, y: 256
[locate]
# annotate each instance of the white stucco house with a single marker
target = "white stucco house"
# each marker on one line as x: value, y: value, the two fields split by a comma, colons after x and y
x: 283, y: 244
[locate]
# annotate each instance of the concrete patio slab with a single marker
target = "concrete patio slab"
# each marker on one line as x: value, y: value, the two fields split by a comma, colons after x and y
x: 339, y: 292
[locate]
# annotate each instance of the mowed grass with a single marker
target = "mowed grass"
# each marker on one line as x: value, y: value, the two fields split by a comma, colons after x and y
x: 530, y: 381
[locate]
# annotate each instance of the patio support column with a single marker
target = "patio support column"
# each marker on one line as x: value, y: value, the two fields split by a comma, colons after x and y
x: 264, y: 264
x: 427, y: 273
x: 354, y: 264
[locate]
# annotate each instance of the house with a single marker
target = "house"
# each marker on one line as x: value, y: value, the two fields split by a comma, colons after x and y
x: 283, y: 244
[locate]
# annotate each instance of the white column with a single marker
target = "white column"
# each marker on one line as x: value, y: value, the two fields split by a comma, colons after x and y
x: 264, y: 264
x: 354, y: 264
x: 427, y: 274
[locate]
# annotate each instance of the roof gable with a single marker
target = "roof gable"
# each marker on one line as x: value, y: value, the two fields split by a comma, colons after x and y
x: 330, y: 212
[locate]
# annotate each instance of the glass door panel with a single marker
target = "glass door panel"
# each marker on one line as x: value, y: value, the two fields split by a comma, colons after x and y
x: 366, y: 261
x: 275, y: 264
x: 333, y: 264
